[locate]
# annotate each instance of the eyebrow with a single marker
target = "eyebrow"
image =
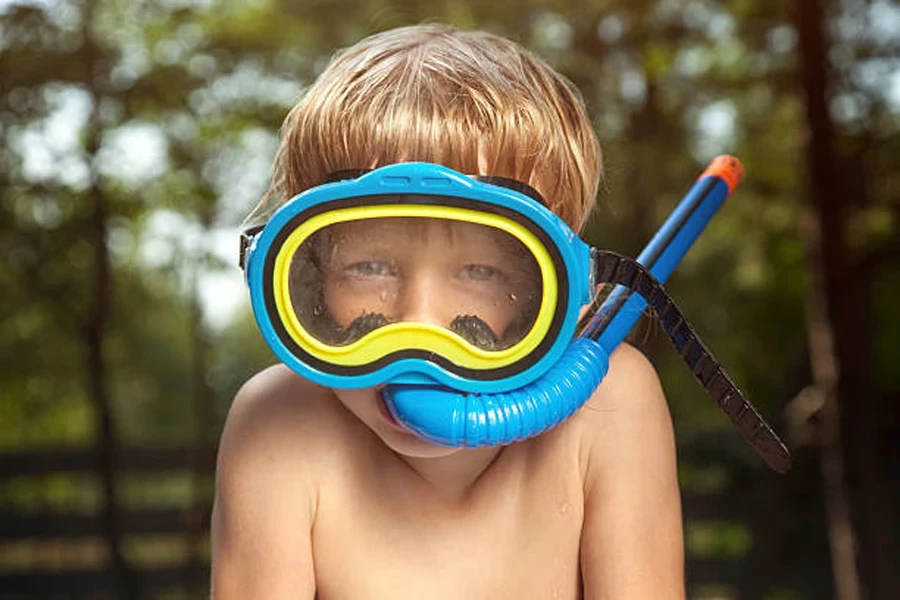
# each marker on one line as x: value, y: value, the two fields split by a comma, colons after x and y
x: 347, y: 174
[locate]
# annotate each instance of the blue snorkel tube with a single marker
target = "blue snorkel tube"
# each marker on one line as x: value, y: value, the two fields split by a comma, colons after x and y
x: 450, y: 418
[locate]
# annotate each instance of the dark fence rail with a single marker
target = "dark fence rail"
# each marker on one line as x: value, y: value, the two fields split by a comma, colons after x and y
x: 80, y: 583
x: 73, y: 460
x: 67, y: 526
x: 191, y: 573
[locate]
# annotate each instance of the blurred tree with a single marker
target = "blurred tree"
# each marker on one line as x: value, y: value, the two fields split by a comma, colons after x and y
x: 89, y: 207
x: 842, y: 344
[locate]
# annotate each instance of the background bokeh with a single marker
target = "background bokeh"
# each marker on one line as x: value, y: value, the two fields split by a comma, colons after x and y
x: 136, y: 134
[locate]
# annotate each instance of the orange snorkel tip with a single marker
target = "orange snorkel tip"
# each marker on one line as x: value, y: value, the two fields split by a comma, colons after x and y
x: 728, y: 168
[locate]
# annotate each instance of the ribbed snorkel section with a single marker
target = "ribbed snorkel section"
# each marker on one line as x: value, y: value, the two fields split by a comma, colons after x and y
x: 449, y: 418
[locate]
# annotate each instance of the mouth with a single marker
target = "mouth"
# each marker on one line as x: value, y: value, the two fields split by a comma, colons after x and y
x: 387, y: 416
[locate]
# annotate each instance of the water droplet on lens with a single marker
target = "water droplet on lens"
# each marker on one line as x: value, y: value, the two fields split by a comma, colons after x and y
x: 382, y: 297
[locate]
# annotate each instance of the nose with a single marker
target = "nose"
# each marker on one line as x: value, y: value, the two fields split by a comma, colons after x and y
x: 424, y: 301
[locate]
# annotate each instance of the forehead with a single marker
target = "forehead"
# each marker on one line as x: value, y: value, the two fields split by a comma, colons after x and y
x: 411, y: 236
x: 404, y: 230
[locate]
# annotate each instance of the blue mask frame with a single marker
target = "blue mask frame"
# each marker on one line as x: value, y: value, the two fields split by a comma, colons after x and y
x: 411, y: 183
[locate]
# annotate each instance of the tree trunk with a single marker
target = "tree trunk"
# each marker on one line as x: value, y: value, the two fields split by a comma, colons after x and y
x: 203, y: 416
x: 107, y: 446
x: 824, y: 396
x: 849, y: 415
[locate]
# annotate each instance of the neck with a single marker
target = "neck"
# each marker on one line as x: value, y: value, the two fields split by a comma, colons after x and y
x: 455, y: 475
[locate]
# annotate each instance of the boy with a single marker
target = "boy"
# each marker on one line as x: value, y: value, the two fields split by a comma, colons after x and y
x: 321, y: 492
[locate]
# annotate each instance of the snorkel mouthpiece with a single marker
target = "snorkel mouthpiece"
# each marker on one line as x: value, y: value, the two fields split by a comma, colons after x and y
x: 447, y: 417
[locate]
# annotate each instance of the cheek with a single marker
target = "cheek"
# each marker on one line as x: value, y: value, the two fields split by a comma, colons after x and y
x: 339, y: 305
x: 498, y: 317
x: 507, y: 310
x: 345, y: 305
x: 347, y: 300
x: 360, y: 402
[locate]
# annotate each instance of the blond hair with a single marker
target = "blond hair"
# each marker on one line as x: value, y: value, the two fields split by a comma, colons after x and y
x: 472, y: 101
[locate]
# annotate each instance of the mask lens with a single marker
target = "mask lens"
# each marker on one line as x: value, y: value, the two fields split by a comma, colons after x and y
x: 478, y: 281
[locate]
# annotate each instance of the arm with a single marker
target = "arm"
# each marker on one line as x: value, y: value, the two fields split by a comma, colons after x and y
x: 264, y: 506
x: 632, y: 545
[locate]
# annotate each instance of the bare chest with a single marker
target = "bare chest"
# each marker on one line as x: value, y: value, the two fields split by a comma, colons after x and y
x: 515, y: 541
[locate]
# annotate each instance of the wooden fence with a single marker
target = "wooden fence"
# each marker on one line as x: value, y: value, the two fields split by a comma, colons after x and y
x: 188, y: 573
x: 186, y: 576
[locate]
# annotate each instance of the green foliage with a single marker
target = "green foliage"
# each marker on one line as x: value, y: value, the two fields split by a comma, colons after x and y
x: 170, y: 110
x: 717, y: 539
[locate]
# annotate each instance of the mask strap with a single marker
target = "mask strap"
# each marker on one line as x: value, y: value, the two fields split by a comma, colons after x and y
x: 511, y: 184
x: 610, y: 267
x: 246, y: 239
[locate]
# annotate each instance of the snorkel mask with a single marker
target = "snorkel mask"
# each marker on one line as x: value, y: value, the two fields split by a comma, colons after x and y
x: 462, y: 294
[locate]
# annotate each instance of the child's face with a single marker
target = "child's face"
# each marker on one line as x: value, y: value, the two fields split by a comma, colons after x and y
x: 470, y: 278
x: 475, y: 280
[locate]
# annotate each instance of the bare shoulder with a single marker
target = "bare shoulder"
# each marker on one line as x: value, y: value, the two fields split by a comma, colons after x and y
x: 626, y: 418
x: 272, y: 454
x: 278, y: 400
x: 280, y: 433
x: 632, y: 535
x: 278, y: 420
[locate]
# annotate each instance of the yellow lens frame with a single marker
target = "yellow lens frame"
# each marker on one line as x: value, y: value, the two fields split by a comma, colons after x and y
x: 421, y: 336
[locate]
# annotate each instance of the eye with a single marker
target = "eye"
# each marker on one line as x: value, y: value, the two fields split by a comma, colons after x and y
x: 370, y: 268
x: 483, y: 273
